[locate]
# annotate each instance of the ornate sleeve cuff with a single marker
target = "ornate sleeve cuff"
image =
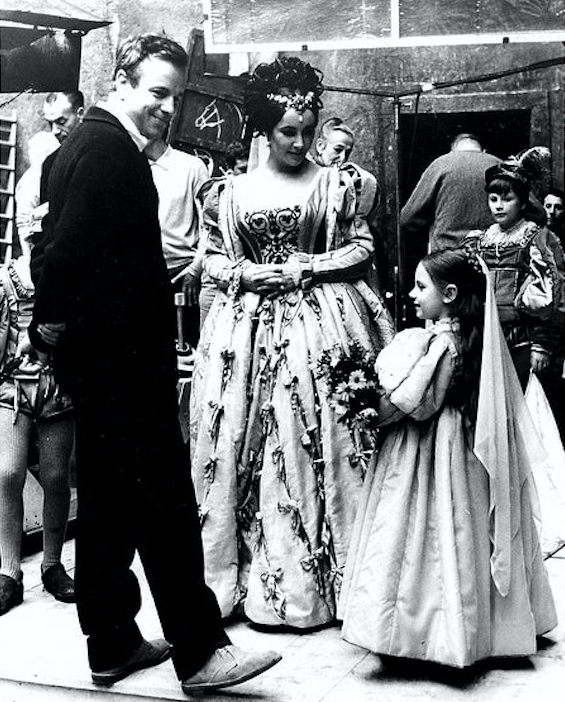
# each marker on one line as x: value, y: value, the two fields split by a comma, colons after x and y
x: 303, y: 271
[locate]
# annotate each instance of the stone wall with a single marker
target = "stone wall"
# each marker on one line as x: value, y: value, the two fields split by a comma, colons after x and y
x: 396, y: 139
x: 175, y: 17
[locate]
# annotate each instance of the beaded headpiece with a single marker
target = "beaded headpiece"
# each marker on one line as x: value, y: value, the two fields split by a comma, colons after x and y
x: 294, y: 101
x: 288, y: 83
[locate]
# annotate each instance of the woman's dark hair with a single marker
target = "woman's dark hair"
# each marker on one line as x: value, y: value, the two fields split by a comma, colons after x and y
x: 461, y: 267
x: 273, y: 87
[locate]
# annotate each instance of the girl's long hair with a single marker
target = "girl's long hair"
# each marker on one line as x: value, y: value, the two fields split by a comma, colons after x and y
x: 461, y: 268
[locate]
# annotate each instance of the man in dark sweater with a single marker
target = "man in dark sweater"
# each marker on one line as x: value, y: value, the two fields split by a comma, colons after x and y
x: 449, y: 200
x: 104, y: 308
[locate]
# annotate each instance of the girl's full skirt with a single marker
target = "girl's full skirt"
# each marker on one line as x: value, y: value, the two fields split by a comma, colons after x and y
x: 418, y: 581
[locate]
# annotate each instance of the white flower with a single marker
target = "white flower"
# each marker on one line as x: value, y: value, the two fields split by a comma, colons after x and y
x: 357, y: 380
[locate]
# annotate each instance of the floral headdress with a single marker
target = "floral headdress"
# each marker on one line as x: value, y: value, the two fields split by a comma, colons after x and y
x: 273, y: 88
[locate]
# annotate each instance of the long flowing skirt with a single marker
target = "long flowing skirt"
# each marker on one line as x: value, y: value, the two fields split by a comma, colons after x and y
x: 277, y: 476
x: 418, y: 582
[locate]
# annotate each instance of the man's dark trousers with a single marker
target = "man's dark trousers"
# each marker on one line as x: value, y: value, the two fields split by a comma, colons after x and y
x: 135, y: 493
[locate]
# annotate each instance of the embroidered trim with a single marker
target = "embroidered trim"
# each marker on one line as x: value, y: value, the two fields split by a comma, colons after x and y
x: 518, y: 235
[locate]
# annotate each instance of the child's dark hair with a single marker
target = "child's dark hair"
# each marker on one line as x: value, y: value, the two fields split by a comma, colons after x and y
x: 510, y: 175
x: 461, y: 267
x: 502, y: 186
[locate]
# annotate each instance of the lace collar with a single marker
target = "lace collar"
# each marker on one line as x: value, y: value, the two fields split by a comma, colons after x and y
x: 517, y: 234
x: 449, y: 324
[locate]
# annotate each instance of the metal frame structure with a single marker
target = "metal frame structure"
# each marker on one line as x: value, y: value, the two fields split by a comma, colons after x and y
x: 361, y: 15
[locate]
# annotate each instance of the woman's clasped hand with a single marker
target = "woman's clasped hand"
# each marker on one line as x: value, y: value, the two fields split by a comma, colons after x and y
x: 267, y: 279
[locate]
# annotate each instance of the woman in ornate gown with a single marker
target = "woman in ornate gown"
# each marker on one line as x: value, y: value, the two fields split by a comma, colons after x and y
x: 277, y: 476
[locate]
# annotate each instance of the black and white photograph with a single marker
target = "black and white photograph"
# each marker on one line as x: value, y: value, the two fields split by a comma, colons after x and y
x: 282, y: 339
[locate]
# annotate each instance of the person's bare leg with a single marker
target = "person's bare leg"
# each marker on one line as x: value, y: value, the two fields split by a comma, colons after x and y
x: 13, y: 466
x: 55, y: 446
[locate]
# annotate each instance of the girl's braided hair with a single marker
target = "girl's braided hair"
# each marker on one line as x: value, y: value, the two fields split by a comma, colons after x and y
x: 273, y: 88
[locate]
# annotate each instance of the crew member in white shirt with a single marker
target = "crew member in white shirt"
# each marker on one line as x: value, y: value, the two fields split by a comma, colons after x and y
x: 178, y: 177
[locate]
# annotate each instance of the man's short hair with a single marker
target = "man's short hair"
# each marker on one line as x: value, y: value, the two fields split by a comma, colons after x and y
x: 235, y: 150
x: 335, y: 124
x: 137, y: 48
x: 556, y: 192
x: 465, y: 136
x: 75, y: 98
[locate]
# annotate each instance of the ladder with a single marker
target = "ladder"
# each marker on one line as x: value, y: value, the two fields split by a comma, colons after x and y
x: 8, y: 126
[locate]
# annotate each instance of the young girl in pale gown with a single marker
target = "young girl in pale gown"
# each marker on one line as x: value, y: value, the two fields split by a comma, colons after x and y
x: 445, y: 563
x: 277, y: 476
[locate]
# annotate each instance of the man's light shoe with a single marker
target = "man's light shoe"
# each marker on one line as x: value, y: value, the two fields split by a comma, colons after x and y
x: 229, y: 665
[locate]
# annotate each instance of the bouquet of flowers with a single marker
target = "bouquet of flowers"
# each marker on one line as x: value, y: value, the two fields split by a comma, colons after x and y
x: 352, y: 384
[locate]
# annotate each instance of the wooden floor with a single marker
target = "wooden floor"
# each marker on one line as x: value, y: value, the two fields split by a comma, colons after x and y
x: 42, y: 657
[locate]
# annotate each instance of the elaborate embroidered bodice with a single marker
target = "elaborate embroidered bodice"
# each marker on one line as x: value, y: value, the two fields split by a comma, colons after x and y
x: 507, y: 256
x: 275, y: 224
x: 276, y: 231
x: 506, y: 248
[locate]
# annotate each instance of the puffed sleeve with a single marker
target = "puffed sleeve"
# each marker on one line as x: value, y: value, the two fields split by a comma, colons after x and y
x: 471, y: 241
x: 540, y: 295
x: 223, y: 256
x: 415, y: 371
x: 29, y: 213
x: 349, y: 242
x: 366, y: 188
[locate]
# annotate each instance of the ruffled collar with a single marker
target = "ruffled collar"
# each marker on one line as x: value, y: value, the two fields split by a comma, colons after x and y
x: 449, y: 324
x: 520, y: 231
